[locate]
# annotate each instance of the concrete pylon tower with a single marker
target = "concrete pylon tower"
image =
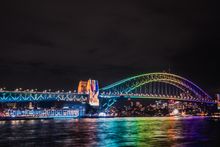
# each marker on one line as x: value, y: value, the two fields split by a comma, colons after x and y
x: 91, y: 88
x: 93, y: 92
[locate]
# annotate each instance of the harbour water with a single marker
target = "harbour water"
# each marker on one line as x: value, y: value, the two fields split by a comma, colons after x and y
x: 112, y: 132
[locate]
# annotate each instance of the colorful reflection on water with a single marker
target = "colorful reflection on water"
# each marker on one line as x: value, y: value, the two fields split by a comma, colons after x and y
x: 111, y: 132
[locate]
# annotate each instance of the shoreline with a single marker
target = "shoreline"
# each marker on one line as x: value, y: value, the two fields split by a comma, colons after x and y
x: 94, y: 117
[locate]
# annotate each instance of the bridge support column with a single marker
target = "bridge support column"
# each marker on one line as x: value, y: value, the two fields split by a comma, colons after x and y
x: 14, y: 105
x: 30, y: 106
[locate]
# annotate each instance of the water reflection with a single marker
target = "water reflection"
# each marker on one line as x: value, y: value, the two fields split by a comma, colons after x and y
x: 110, y: 132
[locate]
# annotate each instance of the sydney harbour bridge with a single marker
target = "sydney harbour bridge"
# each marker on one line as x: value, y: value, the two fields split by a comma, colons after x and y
x: 161, y: 86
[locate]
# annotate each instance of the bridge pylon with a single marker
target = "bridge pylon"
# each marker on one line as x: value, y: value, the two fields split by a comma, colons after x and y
x: 91, y: 88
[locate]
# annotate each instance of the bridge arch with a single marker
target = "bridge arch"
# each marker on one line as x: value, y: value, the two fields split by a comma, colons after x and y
x: 127, y: 85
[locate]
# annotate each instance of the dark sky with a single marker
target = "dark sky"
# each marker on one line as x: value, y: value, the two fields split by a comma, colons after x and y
x: 53, y: 44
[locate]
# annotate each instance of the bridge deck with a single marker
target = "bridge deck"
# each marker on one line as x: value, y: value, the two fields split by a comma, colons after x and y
x: 23, y: 96
x: 159, y: 98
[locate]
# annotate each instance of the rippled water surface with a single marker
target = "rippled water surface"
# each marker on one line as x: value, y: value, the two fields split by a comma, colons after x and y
x: 111, y: 132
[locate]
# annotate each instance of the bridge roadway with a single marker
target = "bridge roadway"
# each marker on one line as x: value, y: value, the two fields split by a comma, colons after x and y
x: 159, y: 97
x: 28, y: 96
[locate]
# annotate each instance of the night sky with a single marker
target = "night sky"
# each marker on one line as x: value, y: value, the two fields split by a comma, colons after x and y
x: 54, y: 44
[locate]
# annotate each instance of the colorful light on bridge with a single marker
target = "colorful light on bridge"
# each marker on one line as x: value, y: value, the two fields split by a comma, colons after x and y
x: 93, y: 93
x: 90, y: 87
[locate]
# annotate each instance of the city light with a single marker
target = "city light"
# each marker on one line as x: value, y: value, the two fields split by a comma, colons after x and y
x: 175, y: 112
x: 102, y: 114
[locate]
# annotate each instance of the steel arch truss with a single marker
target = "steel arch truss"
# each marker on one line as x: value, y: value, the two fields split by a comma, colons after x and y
x: 126, y: 86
